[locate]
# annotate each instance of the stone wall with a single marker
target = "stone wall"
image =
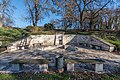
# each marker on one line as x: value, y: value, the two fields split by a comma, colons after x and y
x: 60, y: 39
x: 89, y: 41
x: 44, y: 39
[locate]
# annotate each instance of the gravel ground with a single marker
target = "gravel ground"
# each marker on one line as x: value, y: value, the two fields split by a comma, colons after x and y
x: 112, y: 60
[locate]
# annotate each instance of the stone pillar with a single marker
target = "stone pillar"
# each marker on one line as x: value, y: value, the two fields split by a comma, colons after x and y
x: 98, y: 68
x: 15, y: 67
x: 43, y: 67
x: 70, y: 67
x: 59, y: 63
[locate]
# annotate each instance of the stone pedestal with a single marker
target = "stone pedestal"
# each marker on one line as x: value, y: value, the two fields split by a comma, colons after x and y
x: 70, y: 67
x: 98, y: 68
x: 43, y: 67
x: 59, y: 63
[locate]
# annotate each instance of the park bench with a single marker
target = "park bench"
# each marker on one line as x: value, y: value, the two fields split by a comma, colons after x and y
x: 97, y: 62
x: 17, y: 64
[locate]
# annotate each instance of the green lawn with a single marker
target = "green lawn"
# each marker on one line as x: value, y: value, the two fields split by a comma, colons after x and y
x: 63, y: 76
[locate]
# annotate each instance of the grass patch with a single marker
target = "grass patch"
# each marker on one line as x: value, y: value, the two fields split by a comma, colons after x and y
x: 117, y: 43
x: 43, y: 33
x: 63, y: 76
x: 25, y: 76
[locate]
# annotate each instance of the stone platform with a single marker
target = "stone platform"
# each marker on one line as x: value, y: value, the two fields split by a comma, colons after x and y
x: 112, y: 61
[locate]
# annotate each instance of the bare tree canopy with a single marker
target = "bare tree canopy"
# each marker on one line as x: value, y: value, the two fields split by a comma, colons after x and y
x: 37, y: 10
x: 82, y: 14
x: 77, y: 14
x: 6, y: 11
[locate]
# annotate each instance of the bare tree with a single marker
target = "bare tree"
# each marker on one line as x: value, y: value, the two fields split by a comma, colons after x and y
x: 65, y: 8
x: 94, y: 9
x: 6, y: 11
x: 78, y: 13
x: 37, y: 10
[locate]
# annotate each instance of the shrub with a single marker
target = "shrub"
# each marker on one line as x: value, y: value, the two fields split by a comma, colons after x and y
x: 117, y: 43
x: 32, y: 29
x: 11, y: 34
x: 44, y: 32
x: 40, y: 29
x: 49, y: 26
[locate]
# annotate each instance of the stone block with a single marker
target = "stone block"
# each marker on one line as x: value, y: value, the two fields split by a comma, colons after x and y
x: 111, y: 49
x: 43, y: 67
x: 11, y: 48
x: 59, y: 62
x: 98, y: 68
x: 70, y: 67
